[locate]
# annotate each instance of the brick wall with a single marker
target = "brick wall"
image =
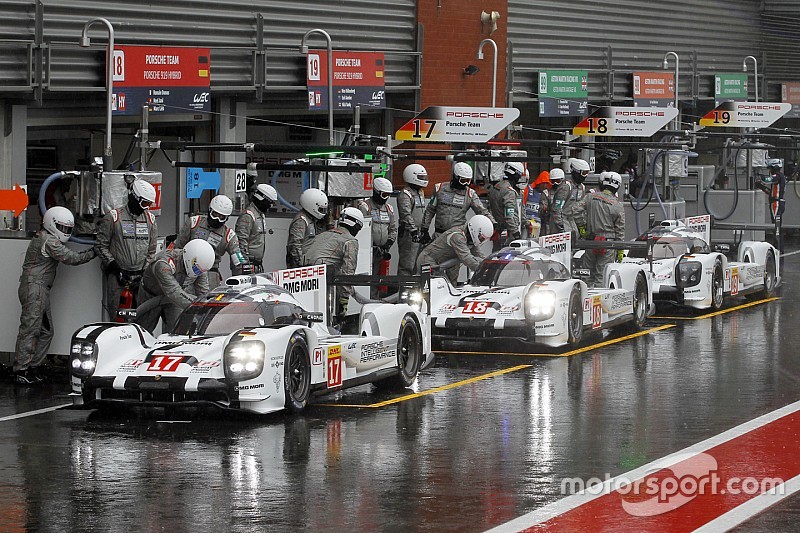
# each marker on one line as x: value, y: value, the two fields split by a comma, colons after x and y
x: 452, y: 33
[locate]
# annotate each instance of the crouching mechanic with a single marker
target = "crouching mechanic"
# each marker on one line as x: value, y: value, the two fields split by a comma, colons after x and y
x: 605, y: 221
x: 212, y: 228
x: 338, y: 249
x: 252, y: 226
x: 45, y: 251
x: 126, y: 243
x: 410, y: 208
x: 460, y: 243
x: 305, y: 225
x: 450, y: 203
x: 504, y: 203
x: 171, y: 282
x: 384, y: 220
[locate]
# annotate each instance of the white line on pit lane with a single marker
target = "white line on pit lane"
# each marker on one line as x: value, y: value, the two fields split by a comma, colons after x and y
x: 34, y: 413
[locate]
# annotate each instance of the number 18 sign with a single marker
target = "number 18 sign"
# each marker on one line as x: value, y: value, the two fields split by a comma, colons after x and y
x: 745, y: 114
x: 625, y: 121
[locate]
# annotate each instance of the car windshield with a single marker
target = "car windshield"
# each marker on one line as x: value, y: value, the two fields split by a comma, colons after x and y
x: 671, y: 245
x: 223, y: 318
x: 516, y: 271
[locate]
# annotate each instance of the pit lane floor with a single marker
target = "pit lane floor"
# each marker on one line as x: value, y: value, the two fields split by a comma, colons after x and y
x: 480, y: 440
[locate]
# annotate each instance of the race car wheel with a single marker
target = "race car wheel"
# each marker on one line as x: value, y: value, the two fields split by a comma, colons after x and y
x: 297, y: 374
x: 640, y: 303
x: 409, y: 355
x: 717, y: 286
x: 575, y: 317
x: 770, y: 278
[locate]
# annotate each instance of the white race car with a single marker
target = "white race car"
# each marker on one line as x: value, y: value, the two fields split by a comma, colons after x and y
x: 258, y: 344
x: 688, y: 271
x: 525, y: 292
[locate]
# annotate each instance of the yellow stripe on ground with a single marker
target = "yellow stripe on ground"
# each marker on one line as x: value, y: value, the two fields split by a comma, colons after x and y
x: 721, y: 312
x: 431, y: 391
x: 573, y: 352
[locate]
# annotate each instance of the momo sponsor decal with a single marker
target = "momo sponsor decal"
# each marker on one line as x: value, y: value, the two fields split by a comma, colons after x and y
x: 249, y: 387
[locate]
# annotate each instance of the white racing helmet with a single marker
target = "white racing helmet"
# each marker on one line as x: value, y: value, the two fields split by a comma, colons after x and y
x: 352, y: 219
x: 480, y: 228
x: 463, y: 173
x: 265, y: 192
x: 416, y: 174
x: 556, y: 175
x: 775, y: 163
x: 198, y: 257
x: 58, y: 222
x: 610, y: 180
x: 143, y: 192
x: 315, y: 202
x: 382, y: 186
x: 514, y: 169
x: 220, y: 208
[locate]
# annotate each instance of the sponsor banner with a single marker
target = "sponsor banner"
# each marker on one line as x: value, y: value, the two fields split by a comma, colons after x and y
x: 307, y: 285
x: 790, y: 94
x: 625, y: 121
x: 457, y: 124
x: 358, y: 79
x: 730, y: 88
x: 653, y: 89
x: 745, y: 114
x: 166, y: 79
x: 563, y: 93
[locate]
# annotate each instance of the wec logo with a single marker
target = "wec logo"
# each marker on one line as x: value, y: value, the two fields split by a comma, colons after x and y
x: 378, y: 95
x: 201, y: 98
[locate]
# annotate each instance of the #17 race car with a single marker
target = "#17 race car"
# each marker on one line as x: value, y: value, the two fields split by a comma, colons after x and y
x: 689, y: 271
x: 258, y: 343
x: 526, y: 292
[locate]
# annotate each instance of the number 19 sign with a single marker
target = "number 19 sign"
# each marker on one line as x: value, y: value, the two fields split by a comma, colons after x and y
x: 625, y: 121
x: 457, y: 124
x: 745, y: 114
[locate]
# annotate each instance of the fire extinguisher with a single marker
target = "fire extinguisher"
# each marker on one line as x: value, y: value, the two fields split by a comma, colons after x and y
x: 125, y: 302
x: 383, y: 270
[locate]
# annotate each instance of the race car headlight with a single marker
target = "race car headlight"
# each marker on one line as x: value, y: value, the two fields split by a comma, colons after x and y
x: 83, y: 358
x: 413, y: 298
x: 689, y: 273
x: 539, y: 304
x: 244, y: 360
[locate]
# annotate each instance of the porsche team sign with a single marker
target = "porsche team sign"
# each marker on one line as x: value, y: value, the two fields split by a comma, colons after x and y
x: 745, y: 114
x: 457, y: 124
x: 625, y: 121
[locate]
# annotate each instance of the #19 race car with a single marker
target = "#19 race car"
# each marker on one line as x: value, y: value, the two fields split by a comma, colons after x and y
x: 526, y: 292
x: 688, y: 271
x: 257, y: 344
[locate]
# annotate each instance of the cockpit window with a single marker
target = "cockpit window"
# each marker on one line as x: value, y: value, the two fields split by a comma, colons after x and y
x: 519, y: 270
x: 671, y: 245
x: 223, y: 318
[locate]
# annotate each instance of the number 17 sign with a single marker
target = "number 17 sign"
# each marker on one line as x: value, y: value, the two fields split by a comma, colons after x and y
x: 457, y: 124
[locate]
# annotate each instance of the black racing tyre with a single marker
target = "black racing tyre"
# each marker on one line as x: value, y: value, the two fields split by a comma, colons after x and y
x: 409, y: 355
x: 575, y: 316
x: 717, y: 286
x: 770, y: 280
x: 297, y: 374
x: 640, y: 303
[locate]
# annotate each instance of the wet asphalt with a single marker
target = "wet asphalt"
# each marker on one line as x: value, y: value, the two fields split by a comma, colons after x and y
x: 473, y: 452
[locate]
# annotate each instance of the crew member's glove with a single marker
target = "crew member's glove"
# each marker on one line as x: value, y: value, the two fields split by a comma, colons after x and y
x: 415, y: 237
x: 514, y: 236
x: 425, y: 238
x: 257, y: 267
x: 113, y: 269
x: 343, y: 301
x: 620, y: 255
x: 388, y: 244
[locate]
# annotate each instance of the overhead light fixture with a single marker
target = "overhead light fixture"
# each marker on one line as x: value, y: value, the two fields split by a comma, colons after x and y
x: 471, y: 70
x: 490, y: 19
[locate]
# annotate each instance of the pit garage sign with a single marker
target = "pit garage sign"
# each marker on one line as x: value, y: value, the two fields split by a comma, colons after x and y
x: 625, y: 121
x: 653, y: 89
x: 358, y: 79
x: 457, y: 124
x: 790, y: 93
x: 167, y: 79
x: 745, y: 114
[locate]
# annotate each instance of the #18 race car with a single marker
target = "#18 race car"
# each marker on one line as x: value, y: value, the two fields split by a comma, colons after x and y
x: 689, y: 271
x: 526, y: 292
x: 258, y: 343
